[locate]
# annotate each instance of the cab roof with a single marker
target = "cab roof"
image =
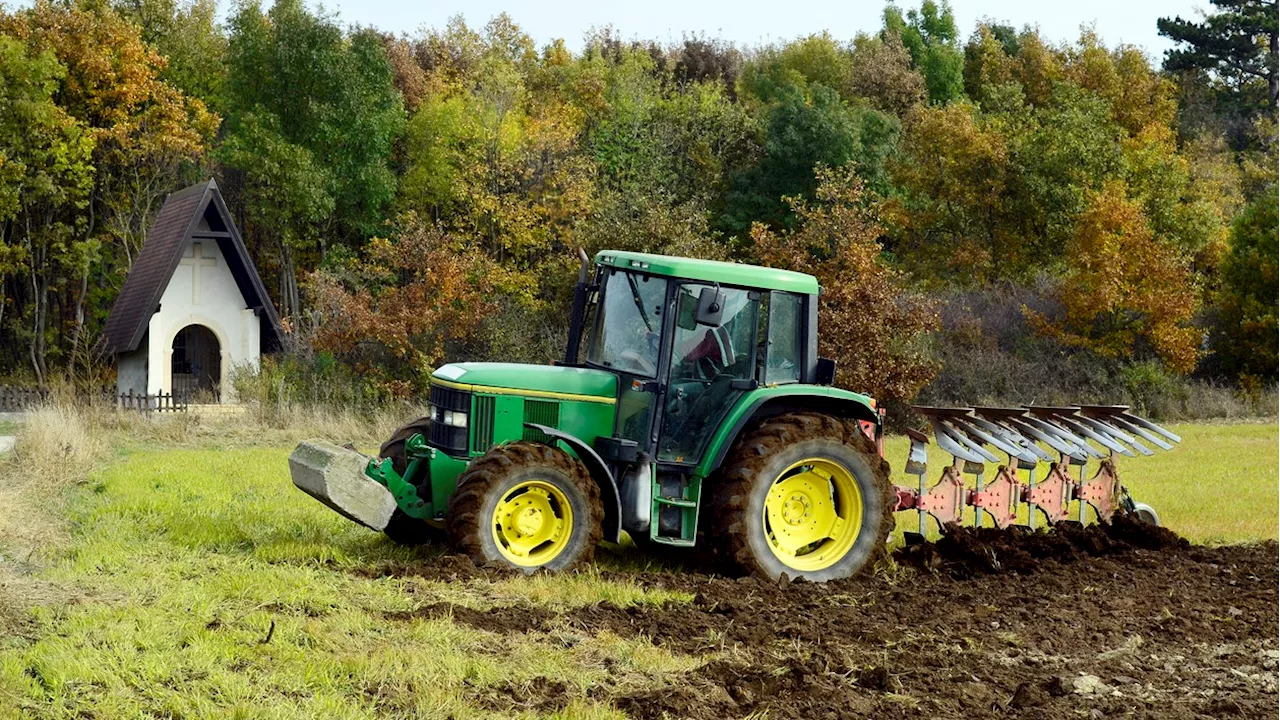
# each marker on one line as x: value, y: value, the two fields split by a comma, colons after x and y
x: 728, y: 273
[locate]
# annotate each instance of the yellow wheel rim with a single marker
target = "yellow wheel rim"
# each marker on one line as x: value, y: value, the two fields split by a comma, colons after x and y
x: 532, y: 523
x: 813, y: 514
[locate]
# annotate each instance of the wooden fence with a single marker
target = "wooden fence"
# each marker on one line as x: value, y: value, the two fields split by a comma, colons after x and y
x: 163, y: 402
x: 14, y: 399
x: 17, y: 399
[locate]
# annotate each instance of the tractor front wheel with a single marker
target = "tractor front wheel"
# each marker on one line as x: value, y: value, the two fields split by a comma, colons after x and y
x: 803, y: 495
x: 526, y: 505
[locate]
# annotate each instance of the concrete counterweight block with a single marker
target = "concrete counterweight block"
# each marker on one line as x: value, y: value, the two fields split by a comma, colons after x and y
x: 335, y: 476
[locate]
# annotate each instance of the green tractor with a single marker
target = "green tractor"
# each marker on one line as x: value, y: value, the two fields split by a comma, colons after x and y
x: 699, y: 412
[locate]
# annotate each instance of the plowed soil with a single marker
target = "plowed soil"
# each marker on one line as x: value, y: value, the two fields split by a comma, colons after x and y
x: 1123, y: 621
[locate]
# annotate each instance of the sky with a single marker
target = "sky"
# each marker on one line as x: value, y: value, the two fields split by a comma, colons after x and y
x: 752, y: 22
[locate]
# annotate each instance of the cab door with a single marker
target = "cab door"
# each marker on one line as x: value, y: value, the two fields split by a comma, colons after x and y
x: 710, y: 368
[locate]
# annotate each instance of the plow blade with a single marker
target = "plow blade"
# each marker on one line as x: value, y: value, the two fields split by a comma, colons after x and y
x: 1058, y: 438
x: 335, y: 476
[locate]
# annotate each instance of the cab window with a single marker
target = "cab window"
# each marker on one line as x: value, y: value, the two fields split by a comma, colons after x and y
x: 782, y: 358
x: 628, y: 323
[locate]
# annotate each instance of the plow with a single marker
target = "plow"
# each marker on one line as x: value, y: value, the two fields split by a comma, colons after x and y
x: 701, y: 414
x: 1058, y: 438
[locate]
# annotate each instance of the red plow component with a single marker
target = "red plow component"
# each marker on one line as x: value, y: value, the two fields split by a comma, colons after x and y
x: 1060, y: 437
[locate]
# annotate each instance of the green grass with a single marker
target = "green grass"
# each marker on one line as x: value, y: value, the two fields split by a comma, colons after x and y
x: 9, y: 427
x: 1219, y: 485
x: 182, y: 560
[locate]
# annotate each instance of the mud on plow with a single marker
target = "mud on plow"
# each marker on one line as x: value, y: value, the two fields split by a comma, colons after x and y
x: 1037, y: 450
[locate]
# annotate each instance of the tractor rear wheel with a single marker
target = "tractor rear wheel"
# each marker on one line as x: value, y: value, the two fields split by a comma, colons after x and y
x: 803, y: 495
x: 526, y: 505
x: 404, y: 529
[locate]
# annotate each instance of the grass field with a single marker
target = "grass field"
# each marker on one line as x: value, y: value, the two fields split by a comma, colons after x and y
x: 192, y: 580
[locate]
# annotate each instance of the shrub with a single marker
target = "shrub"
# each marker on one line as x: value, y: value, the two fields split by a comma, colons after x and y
x: 1126, y: 295
x: 395, y: 313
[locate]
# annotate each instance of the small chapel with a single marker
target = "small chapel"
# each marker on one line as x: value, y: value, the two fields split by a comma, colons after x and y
x: 192, y: 307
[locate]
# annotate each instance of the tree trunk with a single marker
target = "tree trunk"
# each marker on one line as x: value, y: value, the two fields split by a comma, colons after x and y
x: 40, y: 293
x: 290, y: 300
x: 77, y: 331
x: 1274, y: 71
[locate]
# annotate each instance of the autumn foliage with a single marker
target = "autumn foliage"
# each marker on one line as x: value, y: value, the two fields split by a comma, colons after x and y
x: 411, y: 198
x: 395, y: 313
x: 871, y: 322
x: 1125, y: 294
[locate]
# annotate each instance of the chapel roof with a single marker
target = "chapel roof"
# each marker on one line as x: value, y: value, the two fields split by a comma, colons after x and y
x: 178, y: 223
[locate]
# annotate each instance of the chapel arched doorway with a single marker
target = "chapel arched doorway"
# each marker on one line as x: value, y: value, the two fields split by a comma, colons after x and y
x: 197, y: 363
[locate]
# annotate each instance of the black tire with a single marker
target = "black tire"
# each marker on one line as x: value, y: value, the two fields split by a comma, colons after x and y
x: 404, y: 529
x: 394, y: 447
x: 493, y: 476
x: 760, y: 456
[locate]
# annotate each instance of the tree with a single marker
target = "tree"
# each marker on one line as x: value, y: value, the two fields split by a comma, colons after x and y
x: 816, y: 59
x: 873, y: 325
x: 1137, y: 94
x: 45, y: 179
x: 1125, y: 295
x: 1236, y: 45
x: 144, y: 132
x: 802, y: 130
x: 312, y: 114
x: 501, y: 154
x: 952, y: 172
x: 880, y: 71
x: 930, y: 35
x: 988, y: 63
x: 1245, y: 337
x: 186, y: 33
x: 706, y: 60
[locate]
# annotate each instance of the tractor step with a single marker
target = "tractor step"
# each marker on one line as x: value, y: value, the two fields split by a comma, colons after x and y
x: 672, y: 541
x: 675, y: 508
x: 335, y: 476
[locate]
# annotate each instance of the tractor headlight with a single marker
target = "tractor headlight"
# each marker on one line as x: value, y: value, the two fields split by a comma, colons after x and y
x: 452, y: 418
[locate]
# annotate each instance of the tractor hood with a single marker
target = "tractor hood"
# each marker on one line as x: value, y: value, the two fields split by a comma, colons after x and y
x: 565, y: 383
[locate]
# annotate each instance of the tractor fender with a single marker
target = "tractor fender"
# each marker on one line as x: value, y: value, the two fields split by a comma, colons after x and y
x: 599, y: 471
x: 767, y: 402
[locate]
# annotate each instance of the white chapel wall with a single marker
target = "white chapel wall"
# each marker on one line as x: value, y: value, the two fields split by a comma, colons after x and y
x: 131, y: 370
x: 211, y: 299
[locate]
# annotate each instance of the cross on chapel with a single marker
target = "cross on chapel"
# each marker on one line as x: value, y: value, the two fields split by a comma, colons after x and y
x: 179, y: 332
x: 196, y: 260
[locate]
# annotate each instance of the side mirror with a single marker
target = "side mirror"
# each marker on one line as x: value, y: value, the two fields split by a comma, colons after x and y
x: 826, y: 372
x: 710, y: 307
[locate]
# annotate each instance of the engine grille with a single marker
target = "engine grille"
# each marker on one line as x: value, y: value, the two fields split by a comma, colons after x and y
x: 543, y: 413
x: 482, y: 422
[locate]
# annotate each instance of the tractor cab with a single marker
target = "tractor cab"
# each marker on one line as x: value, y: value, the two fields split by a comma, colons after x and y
x: 686, y: 344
